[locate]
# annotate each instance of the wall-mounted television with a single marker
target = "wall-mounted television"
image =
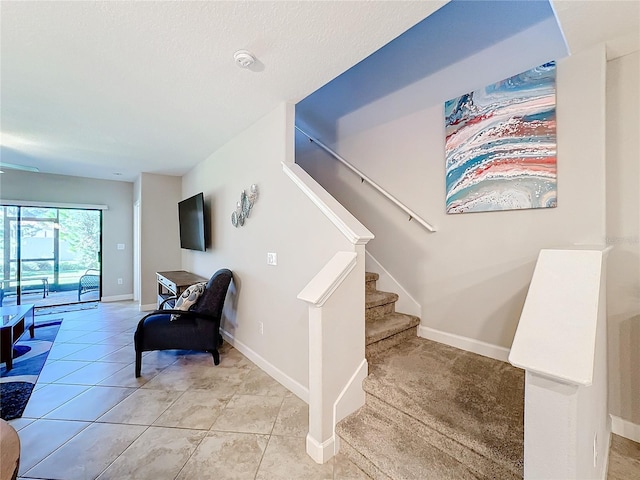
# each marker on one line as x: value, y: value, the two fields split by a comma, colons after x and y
x: 191, y: 219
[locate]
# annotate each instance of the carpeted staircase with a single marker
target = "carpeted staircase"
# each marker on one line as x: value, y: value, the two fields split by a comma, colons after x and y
x: 432, y: 411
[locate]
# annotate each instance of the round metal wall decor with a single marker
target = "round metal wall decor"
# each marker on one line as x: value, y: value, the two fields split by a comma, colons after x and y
x: 244, y: 206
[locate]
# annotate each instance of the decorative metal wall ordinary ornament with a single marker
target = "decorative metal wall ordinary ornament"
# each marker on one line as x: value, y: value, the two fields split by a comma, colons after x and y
x: 244, y: 206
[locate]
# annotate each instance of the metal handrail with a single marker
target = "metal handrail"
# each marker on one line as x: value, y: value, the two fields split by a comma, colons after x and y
x: 412, y: 215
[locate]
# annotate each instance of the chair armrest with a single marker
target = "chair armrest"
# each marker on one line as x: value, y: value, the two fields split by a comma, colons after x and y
x: 161, y: 306
x: 182, y: 313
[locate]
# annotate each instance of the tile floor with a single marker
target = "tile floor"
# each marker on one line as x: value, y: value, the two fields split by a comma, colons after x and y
x: 89, y: 417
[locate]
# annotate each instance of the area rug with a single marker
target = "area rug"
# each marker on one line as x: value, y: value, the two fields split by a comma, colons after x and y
x: 72, y: 307
x: 29, y: 356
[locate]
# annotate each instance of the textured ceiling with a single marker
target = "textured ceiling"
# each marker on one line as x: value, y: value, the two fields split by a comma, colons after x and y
x: 93, y: 88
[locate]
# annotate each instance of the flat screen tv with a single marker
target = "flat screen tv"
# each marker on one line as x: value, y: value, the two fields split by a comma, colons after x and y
x: 191, y: 219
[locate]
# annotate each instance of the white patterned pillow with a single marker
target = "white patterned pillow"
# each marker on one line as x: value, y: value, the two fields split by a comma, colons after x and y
x: 188, y: 298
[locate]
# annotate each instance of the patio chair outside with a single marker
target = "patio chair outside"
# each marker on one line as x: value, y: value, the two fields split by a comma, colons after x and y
x: 89, y: 282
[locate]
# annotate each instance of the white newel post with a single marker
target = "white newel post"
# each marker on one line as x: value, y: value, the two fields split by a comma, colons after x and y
x: 336, y: 348
x: 561, y: 344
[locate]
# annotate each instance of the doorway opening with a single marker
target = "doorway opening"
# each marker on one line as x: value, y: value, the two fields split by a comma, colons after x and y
x: 50, y: 256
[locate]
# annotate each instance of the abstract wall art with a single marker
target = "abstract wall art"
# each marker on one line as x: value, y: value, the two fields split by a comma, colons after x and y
x: 500, y: 145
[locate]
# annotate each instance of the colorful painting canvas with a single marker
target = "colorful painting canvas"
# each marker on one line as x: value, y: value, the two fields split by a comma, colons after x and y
x: 501, y: 145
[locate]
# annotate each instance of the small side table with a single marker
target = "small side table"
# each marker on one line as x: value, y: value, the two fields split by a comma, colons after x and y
x: 173, y: 283
x: 14, y: 320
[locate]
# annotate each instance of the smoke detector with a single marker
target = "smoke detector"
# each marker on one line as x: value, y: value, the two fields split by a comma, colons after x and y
x: 243, y: 58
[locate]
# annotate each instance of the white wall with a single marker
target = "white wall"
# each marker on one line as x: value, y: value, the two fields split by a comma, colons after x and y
x: 158, y: 196
x: 623, y: 232
x: 471, y: 276
x: 116, y: 224
x: 284, y: 221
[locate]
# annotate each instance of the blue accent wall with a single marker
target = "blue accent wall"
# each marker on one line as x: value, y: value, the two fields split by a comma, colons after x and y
x: 456, y: 31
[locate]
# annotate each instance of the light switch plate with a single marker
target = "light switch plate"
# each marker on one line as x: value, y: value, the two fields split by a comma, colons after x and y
x: 272, y: 258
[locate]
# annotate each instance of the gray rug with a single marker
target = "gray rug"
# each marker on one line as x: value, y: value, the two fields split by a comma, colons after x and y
x: 29, y: 356
x: 72, y: 307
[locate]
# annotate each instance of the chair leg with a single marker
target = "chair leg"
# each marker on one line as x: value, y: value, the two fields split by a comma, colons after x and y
x: 216, y: 356
x: 138, y: 363
x: 220, y: 340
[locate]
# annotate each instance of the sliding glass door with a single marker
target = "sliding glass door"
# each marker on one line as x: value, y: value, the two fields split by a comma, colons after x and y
x: 50, y: 256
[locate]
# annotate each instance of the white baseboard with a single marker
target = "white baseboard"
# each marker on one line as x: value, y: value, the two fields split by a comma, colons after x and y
x: 465, y: 343
x: 297, y: 388
x: 625, y: 428
x: 149, y: 307
x: 352, y: 396
x: 320, y: 452
x: 117, y: 298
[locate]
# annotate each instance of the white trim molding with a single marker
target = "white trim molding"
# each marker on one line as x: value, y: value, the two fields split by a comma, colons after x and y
x: 29, y: 203
x: 321, y: 452
x: 349, y: 225
x: 327, y: 280
x: 625, y: 428
x: 352, y: 394
x: 292, y: 385
x: 117, y: 298
x: 464, y: 343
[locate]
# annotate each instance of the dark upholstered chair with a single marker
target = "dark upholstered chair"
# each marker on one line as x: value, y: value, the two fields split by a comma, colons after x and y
x: 195, y: 329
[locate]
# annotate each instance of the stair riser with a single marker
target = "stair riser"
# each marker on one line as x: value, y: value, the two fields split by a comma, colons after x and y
x: 374, y: 349
x: 376, y: 313
x: 361, y: 461
x: 463, y: 453
x: 370, y: 286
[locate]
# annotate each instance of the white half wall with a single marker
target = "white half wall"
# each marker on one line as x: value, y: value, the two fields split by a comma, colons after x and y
x: 262, y: 311
x: 623, y: 233
x: 561, y: 342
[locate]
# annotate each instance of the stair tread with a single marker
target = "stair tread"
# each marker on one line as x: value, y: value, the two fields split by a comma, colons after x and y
x: 477, y: 401
x: 371, y: 276
x: 396, y: 451
x: 378, y: 297
x: 388, y: 325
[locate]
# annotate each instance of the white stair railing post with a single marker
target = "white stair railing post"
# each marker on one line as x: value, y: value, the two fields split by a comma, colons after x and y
x: 336, y: 348
x: 561, y: 344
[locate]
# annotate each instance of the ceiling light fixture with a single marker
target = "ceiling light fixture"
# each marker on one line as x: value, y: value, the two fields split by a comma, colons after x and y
x: 244, y: 58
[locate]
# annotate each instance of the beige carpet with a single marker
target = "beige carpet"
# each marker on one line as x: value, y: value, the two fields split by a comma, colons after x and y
x: 448, y: 412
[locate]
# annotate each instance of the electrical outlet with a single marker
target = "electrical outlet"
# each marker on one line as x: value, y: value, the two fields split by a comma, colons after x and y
x: 120, y: 246
x: 272, y: 258
x: 119, y: 281
x: 261, y: 325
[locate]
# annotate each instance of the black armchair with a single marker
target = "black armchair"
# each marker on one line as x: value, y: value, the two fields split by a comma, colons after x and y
x: 195, y: 329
